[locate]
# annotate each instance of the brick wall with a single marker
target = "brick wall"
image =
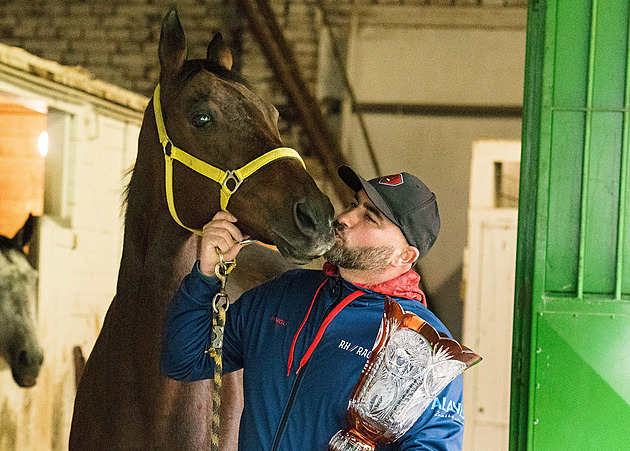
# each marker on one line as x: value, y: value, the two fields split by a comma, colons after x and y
x: 116, y: 40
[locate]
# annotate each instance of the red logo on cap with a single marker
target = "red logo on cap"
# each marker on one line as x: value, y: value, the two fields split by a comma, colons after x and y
x: 391, y: 180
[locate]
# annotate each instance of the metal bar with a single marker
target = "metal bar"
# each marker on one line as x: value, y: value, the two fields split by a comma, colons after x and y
x: 441, y: 110
x: 265, y: 27
x: 346, y: 80
x: 593, y: 306
x: 623, y: 177
x: 523, y: 383
x: 594, y: 110
x: 586, y: 157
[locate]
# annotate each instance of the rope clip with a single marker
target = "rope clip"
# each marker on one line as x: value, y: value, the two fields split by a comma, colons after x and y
x: 221, y: 270
x: 220, y: 300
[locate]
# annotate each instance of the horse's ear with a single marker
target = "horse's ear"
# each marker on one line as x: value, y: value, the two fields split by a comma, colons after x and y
x: 172, y: 47
x: 219, y: 53
x: 24, y: 235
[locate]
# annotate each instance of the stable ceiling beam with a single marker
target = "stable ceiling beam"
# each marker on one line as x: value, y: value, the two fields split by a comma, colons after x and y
x: 265, y: 27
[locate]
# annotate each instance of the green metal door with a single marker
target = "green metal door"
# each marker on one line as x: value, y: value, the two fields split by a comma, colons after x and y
x: 571, y: 349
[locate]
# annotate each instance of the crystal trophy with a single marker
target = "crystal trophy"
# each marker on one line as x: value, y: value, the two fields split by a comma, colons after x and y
x: 411, y: 363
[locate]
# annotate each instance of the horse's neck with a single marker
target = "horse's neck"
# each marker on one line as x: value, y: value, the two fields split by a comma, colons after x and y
x: 157, y: 252
x: 153, y: 263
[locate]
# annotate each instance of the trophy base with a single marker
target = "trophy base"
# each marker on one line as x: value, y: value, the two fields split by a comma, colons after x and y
x: 345, y: 440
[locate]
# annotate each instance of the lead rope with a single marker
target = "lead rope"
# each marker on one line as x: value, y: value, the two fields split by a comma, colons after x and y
x: 220, y: 304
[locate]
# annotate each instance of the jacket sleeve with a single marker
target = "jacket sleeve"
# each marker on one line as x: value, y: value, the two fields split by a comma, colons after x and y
x: 187, y: 328
x: 440, y: 427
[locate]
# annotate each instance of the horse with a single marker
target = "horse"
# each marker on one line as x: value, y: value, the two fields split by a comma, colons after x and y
x: 122, y: 401
x: 19, y: 345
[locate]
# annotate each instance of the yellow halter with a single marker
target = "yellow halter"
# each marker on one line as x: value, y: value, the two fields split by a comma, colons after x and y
x: 233, y: 177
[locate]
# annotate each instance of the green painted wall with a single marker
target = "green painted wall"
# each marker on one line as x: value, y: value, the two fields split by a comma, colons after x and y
x: 571, y: 356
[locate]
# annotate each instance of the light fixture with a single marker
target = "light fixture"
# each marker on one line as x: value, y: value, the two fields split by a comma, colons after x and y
x: 42, y: 143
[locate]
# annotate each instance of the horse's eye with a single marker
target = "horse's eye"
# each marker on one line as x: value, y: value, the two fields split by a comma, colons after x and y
x: 201, y: 119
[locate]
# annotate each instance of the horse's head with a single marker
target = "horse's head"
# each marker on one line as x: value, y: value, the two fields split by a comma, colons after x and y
x: 18, y: 291
x: 210, y: 113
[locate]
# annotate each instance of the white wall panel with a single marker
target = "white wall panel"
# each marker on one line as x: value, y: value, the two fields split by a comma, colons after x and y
x: 440, y: 66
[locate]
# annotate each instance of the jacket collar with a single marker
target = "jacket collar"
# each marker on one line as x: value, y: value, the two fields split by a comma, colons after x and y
x: 403, y: 286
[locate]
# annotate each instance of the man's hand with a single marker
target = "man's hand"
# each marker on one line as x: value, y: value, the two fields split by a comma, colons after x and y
x: 220, y: 233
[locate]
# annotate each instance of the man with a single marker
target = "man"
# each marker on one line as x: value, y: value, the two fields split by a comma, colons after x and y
x: 304, y: 337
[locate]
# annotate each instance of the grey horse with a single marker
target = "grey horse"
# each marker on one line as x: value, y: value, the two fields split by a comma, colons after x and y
x: 19, y: 345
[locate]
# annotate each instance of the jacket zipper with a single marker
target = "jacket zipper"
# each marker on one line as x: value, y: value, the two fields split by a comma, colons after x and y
x: 287, y: 410
x: 296, y: 384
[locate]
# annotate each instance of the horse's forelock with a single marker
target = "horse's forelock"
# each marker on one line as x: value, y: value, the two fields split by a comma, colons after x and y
x: 193, y: 67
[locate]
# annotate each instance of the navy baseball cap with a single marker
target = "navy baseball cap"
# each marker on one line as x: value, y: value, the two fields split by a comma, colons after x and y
x: 405, y: 201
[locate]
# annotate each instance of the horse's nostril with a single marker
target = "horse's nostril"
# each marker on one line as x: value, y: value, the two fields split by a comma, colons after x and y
x: 305, y: 217
x: 23, y: 358
x: 27, y: 359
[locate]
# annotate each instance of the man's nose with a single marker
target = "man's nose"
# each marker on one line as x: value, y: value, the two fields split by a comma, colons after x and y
x: 345, y: 219
x: 338, y: 225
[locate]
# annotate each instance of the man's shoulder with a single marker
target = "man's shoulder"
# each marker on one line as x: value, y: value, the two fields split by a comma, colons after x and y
x: 292, y: 278
x: 423, y: 312
x: 288, y: 286
x: 303, y: 273
x: 299, y: 277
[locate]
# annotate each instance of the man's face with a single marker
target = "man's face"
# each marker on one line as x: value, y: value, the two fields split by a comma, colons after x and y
x: 364, y: 238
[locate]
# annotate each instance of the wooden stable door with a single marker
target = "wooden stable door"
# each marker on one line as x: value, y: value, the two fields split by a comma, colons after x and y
x: 489, y: 292
x: 21, y: 165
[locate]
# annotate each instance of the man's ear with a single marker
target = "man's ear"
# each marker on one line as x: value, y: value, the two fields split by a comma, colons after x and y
x: 407, y: 256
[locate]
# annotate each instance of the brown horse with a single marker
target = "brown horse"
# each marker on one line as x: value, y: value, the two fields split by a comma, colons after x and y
x: 122, y: 401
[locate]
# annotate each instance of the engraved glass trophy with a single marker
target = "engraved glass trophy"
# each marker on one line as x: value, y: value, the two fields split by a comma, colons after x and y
x: 411, y: 363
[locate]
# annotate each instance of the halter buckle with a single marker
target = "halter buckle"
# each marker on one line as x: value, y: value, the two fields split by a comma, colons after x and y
x: 167, y: 148
x: 231, y: 175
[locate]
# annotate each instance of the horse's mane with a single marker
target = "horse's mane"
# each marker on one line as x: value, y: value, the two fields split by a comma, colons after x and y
x: 125, y: 194
x: 6, y: 243
x: 189, y: 70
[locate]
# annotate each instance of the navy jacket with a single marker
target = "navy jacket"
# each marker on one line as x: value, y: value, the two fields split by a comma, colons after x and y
x: 297, y: 411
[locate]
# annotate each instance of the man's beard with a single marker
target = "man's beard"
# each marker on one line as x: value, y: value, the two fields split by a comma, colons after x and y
x: 363, y: 258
